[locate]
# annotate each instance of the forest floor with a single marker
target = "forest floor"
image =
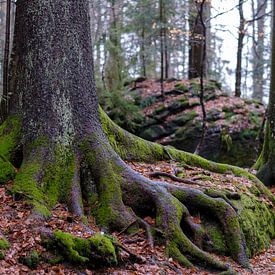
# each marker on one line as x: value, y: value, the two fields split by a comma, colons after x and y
x: 23, y: 233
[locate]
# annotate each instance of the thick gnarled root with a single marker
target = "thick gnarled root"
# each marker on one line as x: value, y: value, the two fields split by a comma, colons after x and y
x: 169, y: 205
x: 105, y: 195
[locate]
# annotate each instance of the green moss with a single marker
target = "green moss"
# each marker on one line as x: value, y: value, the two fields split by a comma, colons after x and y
x: 182, y: 87
x: 74, y: 248
x: 9, y: 136
x: 95, y: 250
x: 41, y: 209
x: 7, y: 171
x: 104, y: 247
x: 44, y: 184
x: 257, y: 221
x: 173, y: 252
x: 131, y: 147
x: 107, y: 203
x: 26, y: 184
x: 216, y: 236
x: 127, y: 145
x: 4, y: 244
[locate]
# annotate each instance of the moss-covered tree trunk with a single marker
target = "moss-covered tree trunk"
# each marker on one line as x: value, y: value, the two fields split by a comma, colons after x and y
x: 266, y: 162
x: 56, y: 136
x: 55, y: 98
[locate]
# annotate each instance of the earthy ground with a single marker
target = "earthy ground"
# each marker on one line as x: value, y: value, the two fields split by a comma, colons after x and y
x: 23, y: 233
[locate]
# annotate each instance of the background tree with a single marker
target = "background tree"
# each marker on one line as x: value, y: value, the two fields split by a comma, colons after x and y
x: 258, y: 59
x: 241, y: 35
x: 197, y: 40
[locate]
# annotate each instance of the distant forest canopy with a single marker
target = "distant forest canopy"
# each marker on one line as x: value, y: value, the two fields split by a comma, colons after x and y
x: 165, y: 39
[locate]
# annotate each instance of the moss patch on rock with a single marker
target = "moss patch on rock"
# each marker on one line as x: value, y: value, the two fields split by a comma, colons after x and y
x: 257, y: 222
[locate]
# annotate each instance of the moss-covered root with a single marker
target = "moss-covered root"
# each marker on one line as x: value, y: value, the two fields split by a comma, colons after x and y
x: 98, y: 250
x: 131, y: 147
x: 144, y: 195
x: 179, y: 246
x: 224, y: 213
x: 9, y: 139
x: 49, y: 175
x: 107, y: 205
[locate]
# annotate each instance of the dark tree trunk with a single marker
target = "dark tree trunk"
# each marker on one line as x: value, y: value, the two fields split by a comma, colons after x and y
x: 266, y: 162
x: 54, y: 92
x: 67, y: 156
x: 197, y: 40
x: 161, y: 19
x: 142, y: 53
x: 241, y: 36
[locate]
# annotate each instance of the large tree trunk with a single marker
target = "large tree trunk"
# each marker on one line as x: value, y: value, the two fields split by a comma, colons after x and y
x: 55, y: 97
x: 67, y: 157
x: 266, y: 162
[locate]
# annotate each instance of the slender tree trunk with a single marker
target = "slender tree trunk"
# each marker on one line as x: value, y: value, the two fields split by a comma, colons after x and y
x: 196, y: 41
x: 5, y: 95
x: 161, y: 48
x: 142, y: 53
x: 241, y: 36
x: 258, y: 51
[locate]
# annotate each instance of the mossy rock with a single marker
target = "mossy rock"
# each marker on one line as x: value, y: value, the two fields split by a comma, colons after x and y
x: 152, y: 133
x: 182, y: 87
x: 98, y: 250
x: 186, y: 117
x: 178, y: 106
x: 257, y: 221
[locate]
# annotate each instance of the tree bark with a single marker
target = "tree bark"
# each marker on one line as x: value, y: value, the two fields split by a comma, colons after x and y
x: 197, y: 39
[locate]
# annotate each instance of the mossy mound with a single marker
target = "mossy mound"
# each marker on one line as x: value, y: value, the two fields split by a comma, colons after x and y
x: 233, y: 123
x: 257, y: 221
x: 95, y: 251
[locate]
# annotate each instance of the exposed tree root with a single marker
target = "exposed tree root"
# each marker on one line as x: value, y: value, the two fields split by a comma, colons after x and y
x: 166, y: 201
x: 118, y: 196
x: 131, y: 147
x: 172, y: 177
